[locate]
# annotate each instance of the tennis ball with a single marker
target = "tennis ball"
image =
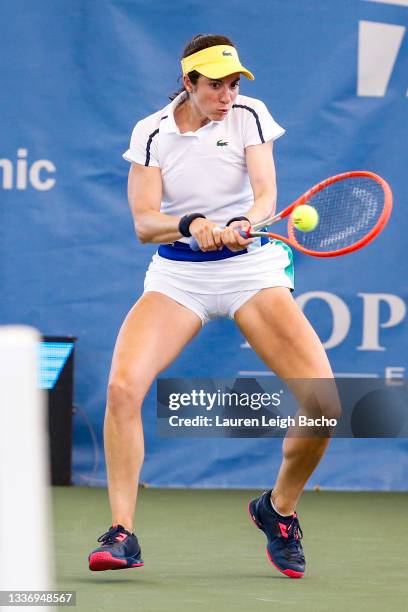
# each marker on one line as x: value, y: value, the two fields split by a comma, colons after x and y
x: 305, y: 218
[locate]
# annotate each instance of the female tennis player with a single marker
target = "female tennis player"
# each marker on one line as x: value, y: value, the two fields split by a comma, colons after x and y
x: 203, y: 167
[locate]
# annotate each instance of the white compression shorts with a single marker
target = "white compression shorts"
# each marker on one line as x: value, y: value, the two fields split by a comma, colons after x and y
x: 214, y: 289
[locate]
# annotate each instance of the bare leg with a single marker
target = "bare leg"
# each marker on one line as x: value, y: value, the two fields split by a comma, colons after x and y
x: 152, y: 335
x: 282, y: 336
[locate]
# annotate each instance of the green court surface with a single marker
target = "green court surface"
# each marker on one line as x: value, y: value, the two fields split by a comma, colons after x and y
x: 202, y: 552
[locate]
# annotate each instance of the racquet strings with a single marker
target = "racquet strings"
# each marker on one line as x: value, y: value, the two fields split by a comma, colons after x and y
x: 348, y: 210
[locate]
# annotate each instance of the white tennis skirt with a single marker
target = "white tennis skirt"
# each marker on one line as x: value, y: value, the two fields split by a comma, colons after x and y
x: 200, y: 285
x: 267, y: 266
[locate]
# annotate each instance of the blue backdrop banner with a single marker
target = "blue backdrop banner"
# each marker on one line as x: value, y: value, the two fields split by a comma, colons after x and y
x: 75, y: 78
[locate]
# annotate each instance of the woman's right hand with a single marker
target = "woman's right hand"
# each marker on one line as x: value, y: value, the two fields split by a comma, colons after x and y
x: 207, y: 233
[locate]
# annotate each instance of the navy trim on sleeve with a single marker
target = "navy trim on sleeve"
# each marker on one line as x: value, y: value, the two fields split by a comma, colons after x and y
x: 255, y: 114
x: 149, y: 142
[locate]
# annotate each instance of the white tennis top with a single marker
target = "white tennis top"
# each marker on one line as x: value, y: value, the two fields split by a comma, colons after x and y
x: 204, y: 171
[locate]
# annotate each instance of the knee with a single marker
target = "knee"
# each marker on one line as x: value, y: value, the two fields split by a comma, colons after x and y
x: 124, y: 395
x: 323, y: 400
x: 331, y: 407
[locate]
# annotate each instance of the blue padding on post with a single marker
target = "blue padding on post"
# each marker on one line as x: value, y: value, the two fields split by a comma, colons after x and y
x: 53, y: 357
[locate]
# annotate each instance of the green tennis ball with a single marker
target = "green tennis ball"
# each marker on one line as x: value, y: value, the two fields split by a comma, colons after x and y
x: 305, y: 218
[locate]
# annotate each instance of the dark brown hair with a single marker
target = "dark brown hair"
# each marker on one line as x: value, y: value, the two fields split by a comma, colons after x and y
x: 198, y: 43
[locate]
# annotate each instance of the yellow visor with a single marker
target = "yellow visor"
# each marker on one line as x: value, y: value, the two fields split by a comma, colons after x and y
x: 215, y: 62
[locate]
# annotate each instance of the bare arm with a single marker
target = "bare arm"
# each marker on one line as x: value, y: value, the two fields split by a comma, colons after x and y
x: 261, y: 170
x: 144, y: 194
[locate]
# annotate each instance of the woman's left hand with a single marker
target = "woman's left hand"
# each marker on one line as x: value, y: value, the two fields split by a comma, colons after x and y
x: 231, y: 237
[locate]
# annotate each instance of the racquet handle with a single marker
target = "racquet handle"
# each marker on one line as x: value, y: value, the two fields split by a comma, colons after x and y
x: 193, y: 244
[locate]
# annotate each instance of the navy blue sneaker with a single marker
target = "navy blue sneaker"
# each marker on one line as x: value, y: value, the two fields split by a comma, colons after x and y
x: 120, y: 550
x: 283, y: 549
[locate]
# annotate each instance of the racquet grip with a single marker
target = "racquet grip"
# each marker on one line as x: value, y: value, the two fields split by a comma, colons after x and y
x: 193, y: 244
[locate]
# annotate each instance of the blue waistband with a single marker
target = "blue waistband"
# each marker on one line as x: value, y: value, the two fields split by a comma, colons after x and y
x: 180, y: 251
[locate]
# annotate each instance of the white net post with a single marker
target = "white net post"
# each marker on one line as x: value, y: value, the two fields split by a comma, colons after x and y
x: 25, y: 521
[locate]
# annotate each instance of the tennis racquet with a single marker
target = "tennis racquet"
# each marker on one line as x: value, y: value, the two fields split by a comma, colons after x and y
x: 353, y: 209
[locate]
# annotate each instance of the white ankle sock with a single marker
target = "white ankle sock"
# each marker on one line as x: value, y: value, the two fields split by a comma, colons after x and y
x: 277, y: 511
